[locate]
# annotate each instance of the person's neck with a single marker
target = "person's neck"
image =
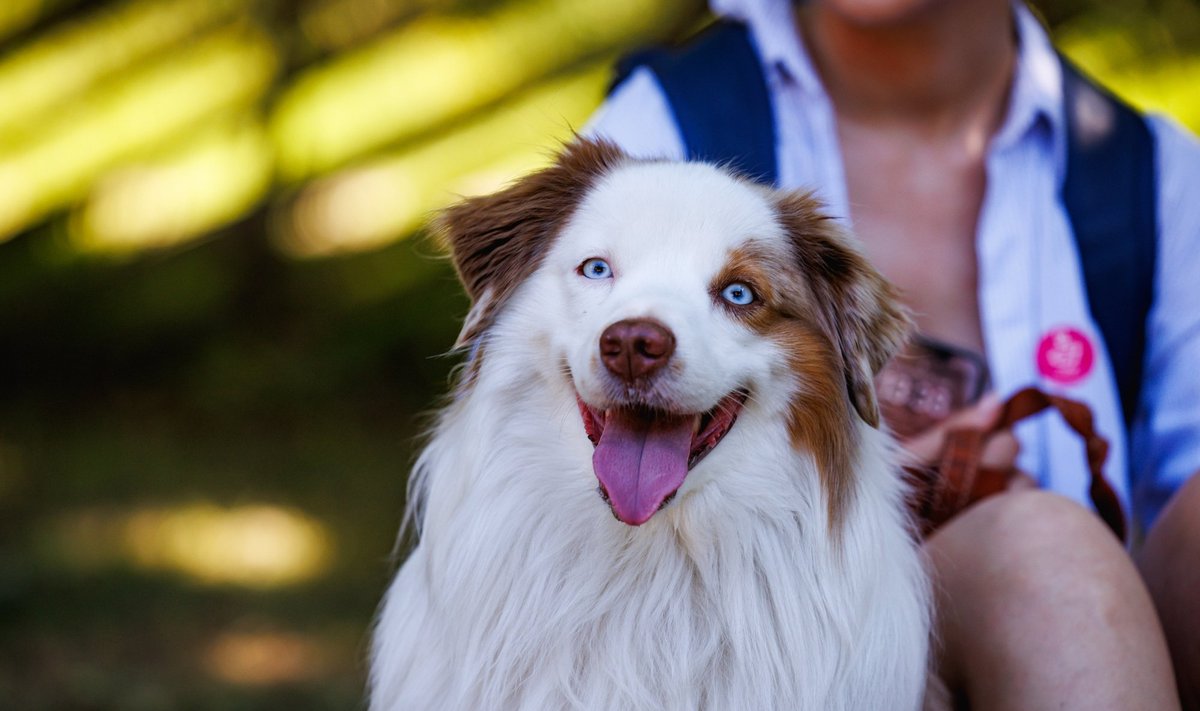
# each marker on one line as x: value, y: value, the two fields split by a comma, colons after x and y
x: 942, y: 70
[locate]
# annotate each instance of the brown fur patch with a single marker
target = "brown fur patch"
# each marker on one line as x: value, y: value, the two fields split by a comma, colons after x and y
x: 857, y: 325
x: 819, y: 419
x: 838, y: 320
x: 820, y: 416
x: 857, y: 306
x: 498, y: 240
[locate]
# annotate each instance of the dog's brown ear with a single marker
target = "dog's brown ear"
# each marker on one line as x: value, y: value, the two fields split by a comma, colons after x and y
x: 498, y: 240
x: 856, y: 305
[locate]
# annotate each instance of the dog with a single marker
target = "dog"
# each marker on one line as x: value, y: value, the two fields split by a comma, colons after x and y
x: 660, y: 482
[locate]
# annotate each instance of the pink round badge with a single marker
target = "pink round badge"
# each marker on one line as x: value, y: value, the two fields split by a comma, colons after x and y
x: 1065, y: 355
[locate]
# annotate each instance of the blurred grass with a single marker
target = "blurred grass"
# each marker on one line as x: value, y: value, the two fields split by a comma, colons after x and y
x: 196, y: 365
x: 222, y: 375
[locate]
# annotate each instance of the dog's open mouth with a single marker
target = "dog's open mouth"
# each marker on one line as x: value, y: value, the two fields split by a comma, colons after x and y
x: 643, y: 455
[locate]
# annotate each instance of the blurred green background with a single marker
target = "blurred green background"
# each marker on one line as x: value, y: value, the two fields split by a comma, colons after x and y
x: 218, y: 332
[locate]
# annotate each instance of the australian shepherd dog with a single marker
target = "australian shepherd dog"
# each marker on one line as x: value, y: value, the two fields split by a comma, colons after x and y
x: 660, y: 482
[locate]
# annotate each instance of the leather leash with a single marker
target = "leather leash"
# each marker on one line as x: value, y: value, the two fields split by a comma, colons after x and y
x: 959, y: 482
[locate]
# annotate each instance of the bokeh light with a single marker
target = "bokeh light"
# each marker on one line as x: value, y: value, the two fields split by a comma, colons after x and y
x: 167, y: 199
x: 60, y: 163
x: 379, y: 201
x: 259, y: 546
x: 264, y: 658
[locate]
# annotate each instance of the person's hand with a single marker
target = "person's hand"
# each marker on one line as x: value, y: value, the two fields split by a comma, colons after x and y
x: 999, y: 452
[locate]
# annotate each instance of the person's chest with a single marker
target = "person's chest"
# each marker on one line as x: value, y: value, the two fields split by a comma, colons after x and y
x: 915, y: 206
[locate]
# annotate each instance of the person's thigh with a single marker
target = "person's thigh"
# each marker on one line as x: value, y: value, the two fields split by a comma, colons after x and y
x: 1170, y: 563
x: 1040, y: 607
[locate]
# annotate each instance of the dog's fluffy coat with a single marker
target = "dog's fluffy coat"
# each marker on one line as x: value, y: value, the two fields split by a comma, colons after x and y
x: 784, y: 574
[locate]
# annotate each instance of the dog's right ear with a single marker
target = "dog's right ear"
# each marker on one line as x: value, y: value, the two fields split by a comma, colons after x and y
x: 498, y: 240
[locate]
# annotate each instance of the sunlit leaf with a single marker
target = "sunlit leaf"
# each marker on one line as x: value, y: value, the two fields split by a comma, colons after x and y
x: 372, y: 204
x: 180, y: 195
x: 56, y: 66
x: 225, y: 70
x: 438, y: 69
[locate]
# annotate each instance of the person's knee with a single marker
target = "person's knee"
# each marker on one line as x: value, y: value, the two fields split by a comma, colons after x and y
x: 1033, y: 548
x: 1177, y: 531
x: 1168, y: 563
x: 1037, y: 587
x: 1023, y: 527
x: 1167, y: 557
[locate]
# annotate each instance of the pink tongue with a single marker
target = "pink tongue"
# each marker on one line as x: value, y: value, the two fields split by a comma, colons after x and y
x: 641, y: 461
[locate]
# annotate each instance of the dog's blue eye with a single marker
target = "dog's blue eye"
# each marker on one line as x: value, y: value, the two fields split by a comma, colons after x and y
x: 595, y: 268
x: 737, y: 294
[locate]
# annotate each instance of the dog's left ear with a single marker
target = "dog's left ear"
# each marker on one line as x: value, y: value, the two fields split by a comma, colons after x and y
x: 498, y: 240
x: 858, y: 307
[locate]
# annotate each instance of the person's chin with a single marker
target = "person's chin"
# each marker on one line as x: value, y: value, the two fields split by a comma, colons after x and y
x: 874, y: 12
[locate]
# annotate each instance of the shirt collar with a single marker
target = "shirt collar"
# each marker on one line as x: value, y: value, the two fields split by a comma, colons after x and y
x: 1036, y: 94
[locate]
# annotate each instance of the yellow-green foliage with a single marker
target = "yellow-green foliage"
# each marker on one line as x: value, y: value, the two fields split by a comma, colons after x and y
x: 155, y: 122
x: 1149, y: 57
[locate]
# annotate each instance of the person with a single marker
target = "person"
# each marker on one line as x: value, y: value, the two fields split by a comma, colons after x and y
x: 934, y: 128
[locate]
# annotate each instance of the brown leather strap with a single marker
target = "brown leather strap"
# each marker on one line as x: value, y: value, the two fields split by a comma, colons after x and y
x: 941, y: 492
x: 959, y: 481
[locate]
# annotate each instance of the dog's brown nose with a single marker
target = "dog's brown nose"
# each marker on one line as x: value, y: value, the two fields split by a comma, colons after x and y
x: 636, y: 348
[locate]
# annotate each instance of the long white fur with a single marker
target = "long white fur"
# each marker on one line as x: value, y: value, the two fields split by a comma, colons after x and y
x: 525, y: 593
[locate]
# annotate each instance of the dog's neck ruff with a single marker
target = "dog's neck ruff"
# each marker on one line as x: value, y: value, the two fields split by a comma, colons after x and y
x: 537, y: 596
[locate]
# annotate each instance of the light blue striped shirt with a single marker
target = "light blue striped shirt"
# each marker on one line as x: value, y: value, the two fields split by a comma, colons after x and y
x: 1031, y: 289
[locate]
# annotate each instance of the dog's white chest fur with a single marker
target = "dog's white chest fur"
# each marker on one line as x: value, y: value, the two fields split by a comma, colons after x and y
x: 780, y: 574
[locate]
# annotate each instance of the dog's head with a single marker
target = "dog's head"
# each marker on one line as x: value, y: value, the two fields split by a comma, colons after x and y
x: 669, y: 298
